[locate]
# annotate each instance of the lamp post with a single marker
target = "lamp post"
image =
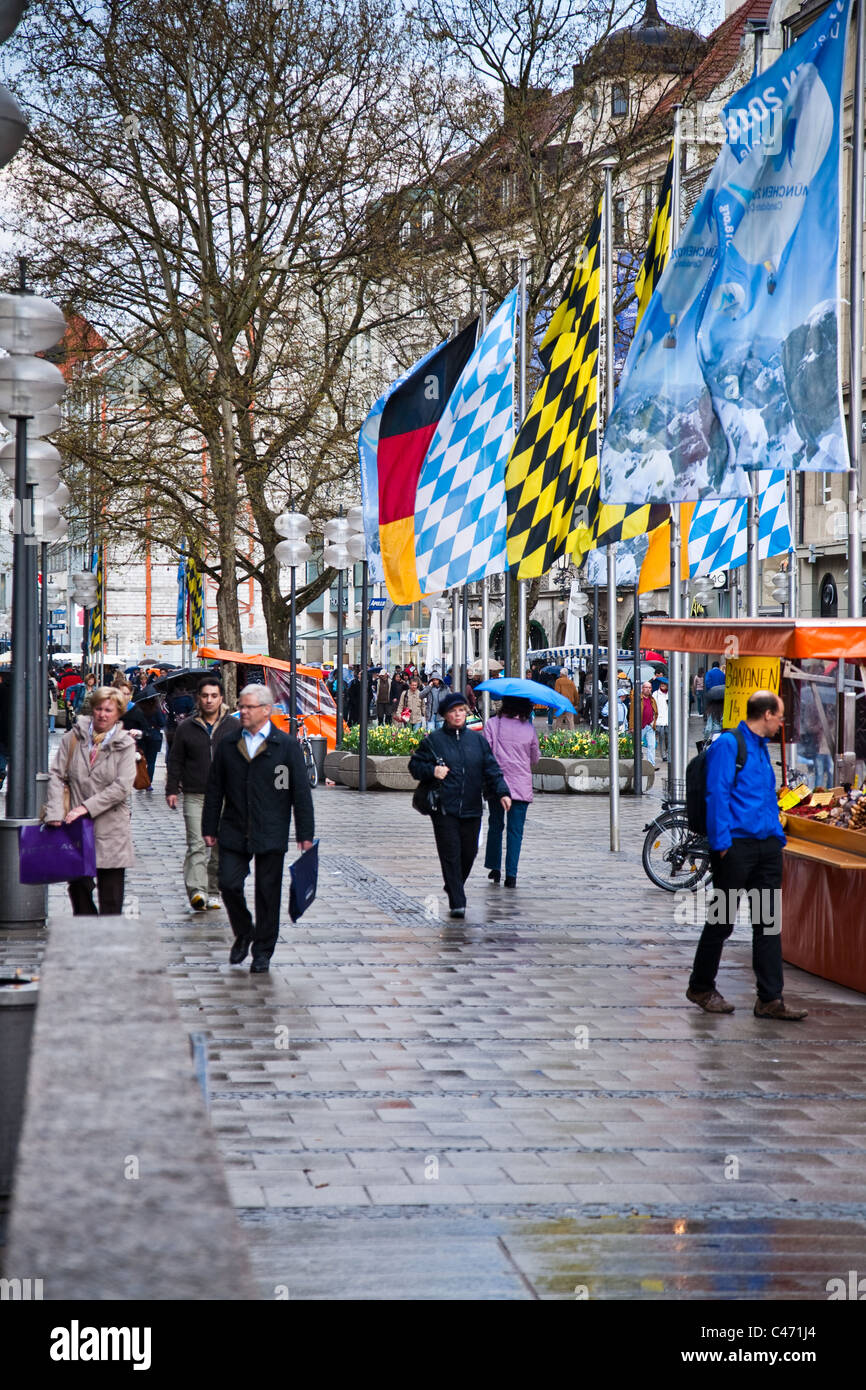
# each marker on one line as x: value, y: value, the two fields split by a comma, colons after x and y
x: 293, y: 550
x: 344, y: 542
x: 28, y: 385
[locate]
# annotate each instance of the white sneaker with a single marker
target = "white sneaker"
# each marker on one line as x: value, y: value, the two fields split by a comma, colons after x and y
x: 215, y: 902
x: 197, y: 902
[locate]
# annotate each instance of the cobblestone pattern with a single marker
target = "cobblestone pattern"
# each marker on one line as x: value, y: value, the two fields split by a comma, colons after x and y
x: 418, y: 1090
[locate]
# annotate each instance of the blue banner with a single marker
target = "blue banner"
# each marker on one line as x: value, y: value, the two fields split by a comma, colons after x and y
x: 735, y: 363
x: 181, y: 593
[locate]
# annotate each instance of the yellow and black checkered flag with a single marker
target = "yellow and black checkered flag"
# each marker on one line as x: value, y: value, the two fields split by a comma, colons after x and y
x: 195, y: 606
x: 554, y: 458
x: 659, y: 244
x: 96, y: 610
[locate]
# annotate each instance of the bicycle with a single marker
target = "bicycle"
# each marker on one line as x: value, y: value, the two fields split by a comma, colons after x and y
x: 307, y: 750
x: 674, y: 856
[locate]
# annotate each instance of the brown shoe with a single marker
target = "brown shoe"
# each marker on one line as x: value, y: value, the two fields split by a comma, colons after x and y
x: 710, y: 1001
x: 777, y: 1008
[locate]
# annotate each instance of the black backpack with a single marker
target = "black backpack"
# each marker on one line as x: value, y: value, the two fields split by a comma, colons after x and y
x: 696, y: 783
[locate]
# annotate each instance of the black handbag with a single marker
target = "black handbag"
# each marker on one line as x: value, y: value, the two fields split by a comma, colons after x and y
x: 425, y: 797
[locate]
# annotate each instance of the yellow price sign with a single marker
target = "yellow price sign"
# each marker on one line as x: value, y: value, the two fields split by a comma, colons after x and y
x: 744, y: 675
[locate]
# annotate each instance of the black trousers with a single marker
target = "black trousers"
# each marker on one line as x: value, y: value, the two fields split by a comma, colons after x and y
x: 233, y: 869
x: 109, y: 888
x: 756, y: 866
x: 457, y: 846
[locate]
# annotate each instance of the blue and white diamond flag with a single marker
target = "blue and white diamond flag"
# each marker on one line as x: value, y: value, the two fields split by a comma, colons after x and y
x: 718, y: 535
x: 460, y: 502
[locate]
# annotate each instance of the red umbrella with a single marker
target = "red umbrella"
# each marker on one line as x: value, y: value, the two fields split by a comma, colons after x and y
x: 654, y: 656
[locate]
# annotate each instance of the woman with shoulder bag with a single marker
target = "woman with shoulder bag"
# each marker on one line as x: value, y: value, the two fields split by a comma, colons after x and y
x: 95, y: 766
x: 461, y: 766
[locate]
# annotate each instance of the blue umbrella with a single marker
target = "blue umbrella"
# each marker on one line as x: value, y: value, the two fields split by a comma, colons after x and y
x: 528, y: 690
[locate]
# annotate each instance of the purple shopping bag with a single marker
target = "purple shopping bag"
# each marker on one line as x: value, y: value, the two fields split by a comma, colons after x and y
x: 56, y: 853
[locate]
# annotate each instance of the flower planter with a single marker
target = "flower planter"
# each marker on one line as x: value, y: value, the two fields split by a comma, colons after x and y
x: 394, y: 775
x: 350, y: 768
x: 585, y: 774
x: 332, y: 763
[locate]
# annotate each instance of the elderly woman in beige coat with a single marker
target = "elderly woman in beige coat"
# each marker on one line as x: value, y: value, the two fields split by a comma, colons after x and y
x: 95, y: 764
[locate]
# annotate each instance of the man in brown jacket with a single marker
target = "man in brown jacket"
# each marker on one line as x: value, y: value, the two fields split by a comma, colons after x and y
x: 564, y: 685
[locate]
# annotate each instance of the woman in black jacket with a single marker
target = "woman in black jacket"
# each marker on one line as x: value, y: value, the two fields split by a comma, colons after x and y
x: 461, y: 765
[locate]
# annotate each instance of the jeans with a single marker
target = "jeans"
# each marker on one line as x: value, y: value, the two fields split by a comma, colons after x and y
x: 434, y: 723
x: 233, y: 869
x: 823, y: 770
x: 699, y: 697
x: 419, y: 724
x: 201, y: 865
x: 457, y: 846
x: 648, y: 741
x: 662, y: 734
x: 755, y: 865
x: 513, y: 836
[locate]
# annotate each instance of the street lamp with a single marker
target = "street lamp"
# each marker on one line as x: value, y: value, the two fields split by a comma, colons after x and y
x: 28, y: 385
x: 344, y: 542
x: 292, y: 551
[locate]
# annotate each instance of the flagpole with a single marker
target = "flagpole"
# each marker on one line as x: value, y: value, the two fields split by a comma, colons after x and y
x: 855, y: 271
x: 758, y: 28
x: 608, y: 165
x: 485, y: 596
x: 678, y: 729
x: 594, y: 706
x: 521, y: 409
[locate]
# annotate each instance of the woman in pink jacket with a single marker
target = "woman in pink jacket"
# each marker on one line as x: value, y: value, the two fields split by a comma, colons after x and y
x: 511, y: 734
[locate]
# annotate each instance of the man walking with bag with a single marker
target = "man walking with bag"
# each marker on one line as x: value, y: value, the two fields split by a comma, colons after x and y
x: 188, y: 766
x: 256, y: 779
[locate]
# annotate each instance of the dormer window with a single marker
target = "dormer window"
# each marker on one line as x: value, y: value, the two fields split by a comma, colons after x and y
x: 427, y: 221
x: 619, y: 99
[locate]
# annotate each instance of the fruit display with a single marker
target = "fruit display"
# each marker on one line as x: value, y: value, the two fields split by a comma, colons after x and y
x: 844, y: 809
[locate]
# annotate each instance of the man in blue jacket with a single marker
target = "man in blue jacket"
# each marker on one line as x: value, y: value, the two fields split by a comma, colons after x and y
x: 746, y: 839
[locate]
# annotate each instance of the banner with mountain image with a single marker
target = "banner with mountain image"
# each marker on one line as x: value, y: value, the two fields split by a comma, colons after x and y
x: 735, y: 363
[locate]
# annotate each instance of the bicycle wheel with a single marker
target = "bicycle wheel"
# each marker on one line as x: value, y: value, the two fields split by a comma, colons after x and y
x: 674, y: 857
x: 312, y: 770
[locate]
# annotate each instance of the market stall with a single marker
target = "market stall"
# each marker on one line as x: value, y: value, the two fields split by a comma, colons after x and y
x: 316, y: 704
x: 822, y: 679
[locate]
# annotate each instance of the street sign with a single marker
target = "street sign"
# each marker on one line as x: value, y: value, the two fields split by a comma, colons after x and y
x: 376, y: 605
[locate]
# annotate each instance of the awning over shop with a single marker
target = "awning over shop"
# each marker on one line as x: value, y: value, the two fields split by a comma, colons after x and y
x: 328, y: 634
x: 843, y: 638
x: 577, y: 653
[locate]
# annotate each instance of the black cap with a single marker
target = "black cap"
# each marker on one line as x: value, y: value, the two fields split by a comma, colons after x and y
x: 451, y: 701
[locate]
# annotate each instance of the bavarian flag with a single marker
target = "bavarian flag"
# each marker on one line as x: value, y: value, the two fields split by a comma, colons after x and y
x: 96, y: 611
x: 552, y: 471
x: 195, y: 605
x: 407, y: 425
x: 659, y: 245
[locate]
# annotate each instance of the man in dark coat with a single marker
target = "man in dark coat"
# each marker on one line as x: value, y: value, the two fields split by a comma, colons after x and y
x: 460, y: 764
x: 256, y: 778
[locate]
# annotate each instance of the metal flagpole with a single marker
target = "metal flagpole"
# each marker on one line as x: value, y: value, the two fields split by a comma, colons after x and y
x: 365, y: 662
x: 758, y: 28
x: 484, y: 654
x: 855, y: 395
x: 595, y: 703
x: 612, y: 703
x: 521, y: 410
x: 636, y: 687
x: 455, y: 639
x: 42, y: 758
x: 293, y: 643
x: 677, y: 716
x: 339, y: 663
x: 464, y: 665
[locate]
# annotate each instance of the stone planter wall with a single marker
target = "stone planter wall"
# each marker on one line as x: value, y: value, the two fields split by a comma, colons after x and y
x: 557, y: 775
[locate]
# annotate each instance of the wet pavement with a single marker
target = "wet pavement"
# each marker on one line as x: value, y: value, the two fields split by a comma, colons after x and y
x: 523, y: 1105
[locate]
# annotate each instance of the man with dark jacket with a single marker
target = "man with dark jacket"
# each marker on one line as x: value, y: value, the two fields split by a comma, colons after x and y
x: 461, y: 765
x: 188, y: 766
x: 256, y: 778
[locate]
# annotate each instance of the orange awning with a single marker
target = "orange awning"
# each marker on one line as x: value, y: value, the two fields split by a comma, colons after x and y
x: 245, y: 659
x: 806, y: 637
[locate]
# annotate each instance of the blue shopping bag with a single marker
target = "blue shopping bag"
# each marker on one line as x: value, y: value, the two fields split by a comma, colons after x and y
x: 304, y: 875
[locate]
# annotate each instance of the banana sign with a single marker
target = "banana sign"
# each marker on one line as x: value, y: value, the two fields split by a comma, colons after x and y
x: 743, y: 676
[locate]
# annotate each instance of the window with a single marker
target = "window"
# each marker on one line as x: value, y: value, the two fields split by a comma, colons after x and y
x: 619, y: 99
x: 826, y: 487
x: 427, y: 221
x: 619, y: 221
x: 405, y: 232
x: 3, y: 591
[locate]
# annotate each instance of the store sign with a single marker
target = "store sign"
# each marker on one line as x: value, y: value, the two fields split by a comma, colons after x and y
x: 376, y: 605
x: 744, y: 675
